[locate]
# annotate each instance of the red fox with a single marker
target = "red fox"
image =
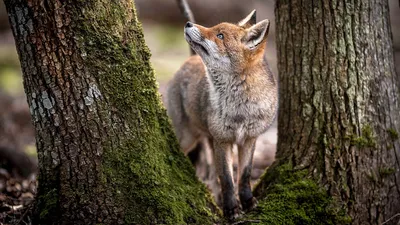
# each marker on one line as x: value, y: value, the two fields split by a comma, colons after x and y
x: 227, y: 95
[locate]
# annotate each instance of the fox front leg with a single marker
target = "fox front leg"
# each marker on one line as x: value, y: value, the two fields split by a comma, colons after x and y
x: 223, y: 166
x: 246, y: 152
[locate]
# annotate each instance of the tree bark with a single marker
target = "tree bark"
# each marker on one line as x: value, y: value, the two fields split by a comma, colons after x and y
x: 338, y: 144
x: 107, y: 153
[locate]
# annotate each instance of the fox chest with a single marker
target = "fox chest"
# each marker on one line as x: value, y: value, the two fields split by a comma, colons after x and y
x: 238, y: 119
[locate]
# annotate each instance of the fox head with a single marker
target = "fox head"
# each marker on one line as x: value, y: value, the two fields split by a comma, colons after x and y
x: 229, y: 46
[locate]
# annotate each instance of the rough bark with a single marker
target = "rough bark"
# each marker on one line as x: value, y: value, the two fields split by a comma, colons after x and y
x: 107, y: 153
x: 338, y: 118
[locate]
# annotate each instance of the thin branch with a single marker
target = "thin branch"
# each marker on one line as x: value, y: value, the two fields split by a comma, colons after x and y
x: 187, y: 13
x: 28, y: 209
x: 185, y: 10
x: 391, y: 218
x: 246, y: 221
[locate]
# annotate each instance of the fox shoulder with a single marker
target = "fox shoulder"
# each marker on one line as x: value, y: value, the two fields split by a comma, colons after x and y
x: 192, y: 67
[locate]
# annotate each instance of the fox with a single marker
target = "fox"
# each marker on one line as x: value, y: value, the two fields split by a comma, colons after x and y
x: 226, y: 95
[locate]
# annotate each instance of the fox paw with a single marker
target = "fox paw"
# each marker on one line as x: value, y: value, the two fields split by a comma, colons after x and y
x: 249, y: 204
x: 232, y: 214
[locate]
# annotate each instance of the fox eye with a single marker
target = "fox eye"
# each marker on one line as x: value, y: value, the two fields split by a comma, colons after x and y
x: 220, y: 36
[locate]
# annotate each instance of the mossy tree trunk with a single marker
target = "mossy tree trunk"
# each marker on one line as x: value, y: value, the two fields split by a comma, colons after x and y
x: 338, y: 146
x: 106, y: 150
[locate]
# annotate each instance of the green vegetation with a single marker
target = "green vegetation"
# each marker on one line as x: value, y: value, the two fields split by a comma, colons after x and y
x: 48, y: 204
x: 371, y: 177
x: 169, y: 49
x: 10, y: 71
x: 9, y: 57
x: 386, y: 171
x: 11, y: 80
x: 366, y: 139
x: 30, y: 150
x: 289, y: 196
x: 393, y: 133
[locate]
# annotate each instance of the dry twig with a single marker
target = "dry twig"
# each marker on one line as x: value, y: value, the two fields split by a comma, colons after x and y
x: 391, y: 218
x: 246, y: 221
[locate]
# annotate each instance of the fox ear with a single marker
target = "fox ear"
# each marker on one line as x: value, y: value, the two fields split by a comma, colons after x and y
x: 256, y: 34
x: 249, y: 20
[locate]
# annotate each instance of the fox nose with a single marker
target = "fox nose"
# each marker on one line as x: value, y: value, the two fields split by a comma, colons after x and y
x: 188, y: 25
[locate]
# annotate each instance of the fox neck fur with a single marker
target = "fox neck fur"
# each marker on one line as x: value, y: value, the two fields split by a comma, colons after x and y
x: 234, y: 97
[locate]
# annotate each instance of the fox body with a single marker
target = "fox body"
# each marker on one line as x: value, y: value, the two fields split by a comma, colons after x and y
x: 226, y: 95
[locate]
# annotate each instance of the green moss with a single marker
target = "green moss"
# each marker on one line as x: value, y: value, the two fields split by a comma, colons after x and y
x: 48, y: 203
x: 393, y: 133
x: 290, y: 197
x: 371, y: 177
x: 366, y: 139
x: 386, y: 171
x: 157, y: 187
x: 360, y: 142
x: 149, y: 179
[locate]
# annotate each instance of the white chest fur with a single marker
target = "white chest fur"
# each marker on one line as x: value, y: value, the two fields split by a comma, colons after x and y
x: 236, y: 112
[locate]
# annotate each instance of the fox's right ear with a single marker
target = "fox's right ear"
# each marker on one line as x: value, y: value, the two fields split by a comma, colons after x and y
x: 249, y: 21
x: 256, y: 34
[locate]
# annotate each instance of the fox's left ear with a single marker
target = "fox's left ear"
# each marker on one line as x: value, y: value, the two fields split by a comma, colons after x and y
x: 256, y: 34
x: 249, y: 21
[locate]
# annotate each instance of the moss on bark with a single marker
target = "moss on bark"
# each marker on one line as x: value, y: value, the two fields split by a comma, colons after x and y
x: 287, y: 196
x: 148, y: 173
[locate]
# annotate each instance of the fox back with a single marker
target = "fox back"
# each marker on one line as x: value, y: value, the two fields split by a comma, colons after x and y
x: 225, y: 94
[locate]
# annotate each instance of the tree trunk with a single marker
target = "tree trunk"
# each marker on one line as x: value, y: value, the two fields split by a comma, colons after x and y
x: 338, y: 146
x: 107, y: 153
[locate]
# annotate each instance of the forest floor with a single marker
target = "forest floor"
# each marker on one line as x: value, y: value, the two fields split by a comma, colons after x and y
x: 18, y: 161
x: 16, y: 197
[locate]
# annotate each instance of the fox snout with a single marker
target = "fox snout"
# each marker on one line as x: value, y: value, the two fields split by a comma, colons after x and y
x: 195, y: 39
x: 189, y: 24
x: 192, y: 33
